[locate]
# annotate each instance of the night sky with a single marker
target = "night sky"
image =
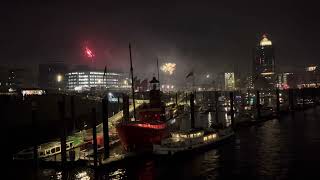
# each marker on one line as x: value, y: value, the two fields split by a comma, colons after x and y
x: 206, y: 36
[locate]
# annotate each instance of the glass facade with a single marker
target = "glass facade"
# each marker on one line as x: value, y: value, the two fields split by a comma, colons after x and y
x: 87, y: 79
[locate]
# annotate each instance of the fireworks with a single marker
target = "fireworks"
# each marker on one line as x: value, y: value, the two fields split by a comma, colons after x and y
x: 168, y: 68
x: 88, y: 52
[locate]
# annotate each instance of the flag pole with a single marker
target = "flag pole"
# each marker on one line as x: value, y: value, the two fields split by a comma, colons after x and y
x: 132, y: 84
x: 104, y: 77
x: 158, y: 71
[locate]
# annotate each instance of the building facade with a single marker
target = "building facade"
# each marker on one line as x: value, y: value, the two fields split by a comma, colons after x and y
x: 264, y: 65
x: 88, y: 80
x: 229, y: 81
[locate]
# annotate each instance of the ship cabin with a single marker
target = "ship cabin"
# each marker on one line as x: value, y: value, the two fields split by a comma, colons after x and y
x: 154, y: 111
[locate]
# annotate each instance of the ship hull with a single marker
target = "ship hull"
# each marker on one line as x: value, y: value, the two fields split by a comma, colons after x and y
x: 137, y: 138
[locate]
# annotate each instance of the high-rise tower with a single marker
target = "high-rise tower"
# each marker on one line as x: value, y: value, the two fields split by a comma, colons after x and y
x: 264, y: 64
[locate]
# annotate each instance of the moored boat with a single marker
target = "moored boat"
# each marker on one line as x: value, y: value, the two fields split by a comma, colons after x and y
x: 150, y: 125
x: 182, y: 141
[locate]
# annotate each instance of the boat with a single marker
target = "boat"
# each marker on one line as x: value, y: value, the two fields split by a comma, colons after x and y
x: 44, y: 150
x: 183, y: 141
x: 149, y: 127
x: 192, y: 138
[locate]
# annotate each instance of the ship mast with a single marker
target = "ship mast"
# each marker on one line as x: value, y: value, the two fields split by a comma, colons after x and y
x: 132, y: 85
x: 158, y: 71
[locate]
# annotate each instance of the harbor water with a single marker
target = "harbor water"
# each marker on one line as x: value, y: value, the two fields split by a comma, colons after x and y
x: 283, y: 148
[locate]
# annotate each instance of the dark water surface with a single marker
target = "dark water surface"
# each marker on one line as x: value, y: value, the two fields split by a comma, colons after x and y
x: 284, y: 148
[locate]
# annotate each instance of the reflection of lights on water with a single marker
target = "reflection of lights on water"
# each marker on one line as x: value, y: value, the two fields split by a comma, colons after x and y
x: 118, y: 174
x: 209, y: 119
x: 173, y: 121
x: 59, y: 175
x: 82, y: 176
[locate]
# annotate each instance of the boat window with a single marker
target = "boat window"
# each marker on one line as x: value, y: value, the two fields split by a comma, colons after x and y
x: 53, y: 150
x: 57, y: 149
x: 48, y: 151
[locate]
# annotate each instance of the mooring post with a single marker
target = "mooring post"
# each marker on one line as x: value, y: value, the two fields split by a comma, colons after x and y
x: 290, y: 92
x: 176, y: 98
x: 278, y: 101
x: 232, y: 110
x: 258, y: 105
x: 203, y: 96
x: 125, y: 107
x: 313, y: 96
x: 303, y: 98
x: 192, y: 110
x: 186, y: 98
x: 34, y: 138
x: 63, y: 139
x: 119, y: 107
x: 105, y: 120
x: 73, y: 116
x: 216, y: 101
x: 94, y: 137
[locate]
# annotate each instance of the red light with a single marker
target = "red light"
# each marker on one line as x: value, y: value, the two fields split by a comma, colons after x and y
x: 89, y: 53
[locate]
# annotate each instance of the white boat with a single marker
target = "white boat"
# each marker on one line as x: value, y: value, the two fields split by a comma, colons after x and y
x: 44, y: 150
x: 190, y: 140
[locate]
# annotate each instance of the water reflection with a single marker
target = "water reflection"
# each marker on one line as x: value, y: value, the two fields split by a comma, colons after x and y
x: 209, y: 119
x: 117, y: 174
x: 275, y: 149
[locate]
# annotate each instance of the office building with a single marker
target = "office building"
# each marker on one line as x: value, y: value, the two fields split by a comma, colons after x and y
x: 89, y: 80
x: 264, y: 65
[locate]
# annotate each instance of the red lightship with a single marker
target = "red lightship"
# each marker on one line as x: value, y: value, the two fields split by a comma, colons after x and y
x: 150, y: 126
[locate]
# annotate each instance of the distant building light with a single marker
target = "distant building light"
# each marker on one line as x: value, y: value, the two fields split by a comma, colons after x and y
x: 59, y: 78
x: 11, y: 90
x: 265, y: 41
x: 78, y: 88
x: 32, y: 92
x: 311, y: 68
x: 267, y: 73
